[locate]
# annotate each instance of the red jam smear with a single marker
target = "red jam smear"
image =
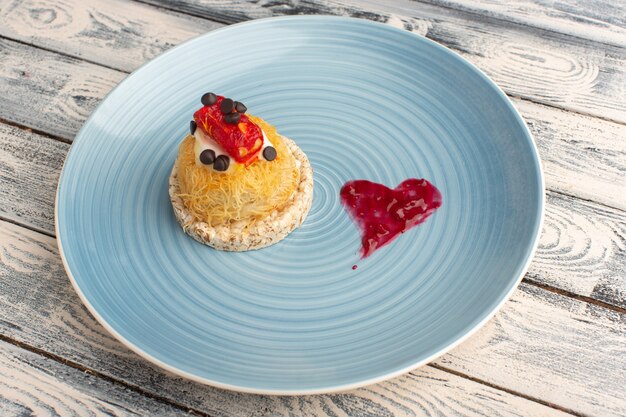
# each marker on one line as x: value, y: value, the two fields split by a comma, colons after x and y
x: 383, y: 213
x: 241, y: 141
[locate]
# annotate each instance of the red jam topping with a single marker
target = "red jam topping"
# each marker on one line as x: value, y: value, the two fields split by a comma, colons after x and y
x: 242, y: 141
x: 382, y: 213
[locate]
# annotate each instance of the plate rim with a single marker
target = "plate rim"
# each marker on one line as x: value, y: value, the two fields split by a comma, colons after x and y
x: 338, y: 387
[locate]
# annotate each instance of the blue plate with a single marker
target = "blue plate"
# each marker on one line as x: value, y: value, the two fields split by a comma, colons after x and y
x: 363, y: 100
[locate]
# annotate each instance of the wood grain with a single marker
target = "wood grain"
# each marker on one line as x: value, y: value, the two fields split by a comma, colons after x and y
x: 31, y: 384
x: 427, y: 391
x: 34, y: 384
x: 532, y: 347
x: 542, y: 66
x: 582, y: 250
x: 582, y: 247
x: 550, y: 346
x: 115, y: 33
x: 30, y: 165
x: 599, y: 20
x: 583, y: 156
x: 48, y: 91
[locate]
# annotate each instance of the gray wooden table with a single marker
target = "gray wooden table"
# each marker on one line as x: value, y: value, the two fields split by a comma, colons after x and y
x: 557, y: 348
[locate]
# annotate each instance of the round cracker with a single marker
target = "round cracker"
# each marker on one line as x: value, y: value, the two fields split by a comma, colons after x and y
x: 242, y: 236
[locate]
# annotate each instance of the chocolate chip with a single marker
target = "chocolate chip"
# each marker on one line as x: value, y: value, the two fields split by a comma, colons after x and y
x: 221, y: 163
x: 207, y: 156
x: 192, y: 127
x: 227, y: 106
x: 232, y: 118
x: 269, y: 153
x: 209, y: 99
x: 240, y: 107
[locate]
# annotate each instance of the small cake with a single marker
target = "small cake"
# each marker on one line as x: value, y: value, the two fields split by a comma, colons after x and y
x: 237, y: 184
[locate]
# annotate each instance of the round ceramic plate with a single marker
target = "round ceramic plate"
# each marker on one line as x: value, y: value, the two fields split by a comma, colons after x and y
x: 364, y: 101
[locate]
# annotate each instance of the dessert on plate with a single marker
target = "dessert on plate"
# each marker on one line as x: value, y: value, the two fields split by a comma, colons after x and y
x: 238, y: 184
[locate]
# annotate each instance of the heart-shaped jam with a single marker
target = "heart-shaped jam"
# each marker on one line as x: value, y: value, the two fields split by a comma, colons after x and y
x: 383, y: 213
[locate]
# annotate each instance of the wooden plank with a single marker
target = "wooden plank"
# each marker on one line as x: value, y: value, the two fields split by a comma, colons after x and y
x: 50, y: 92
x: 599, y: 20
x: 538, y: 338
x: 582, y: 250
x: 31, y: 384
x: 431, y: 392
x: 542, y: 66
x: 583, y: 156
x: 115, y: 33
x: 551, y: 347
x: 30, y: 165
